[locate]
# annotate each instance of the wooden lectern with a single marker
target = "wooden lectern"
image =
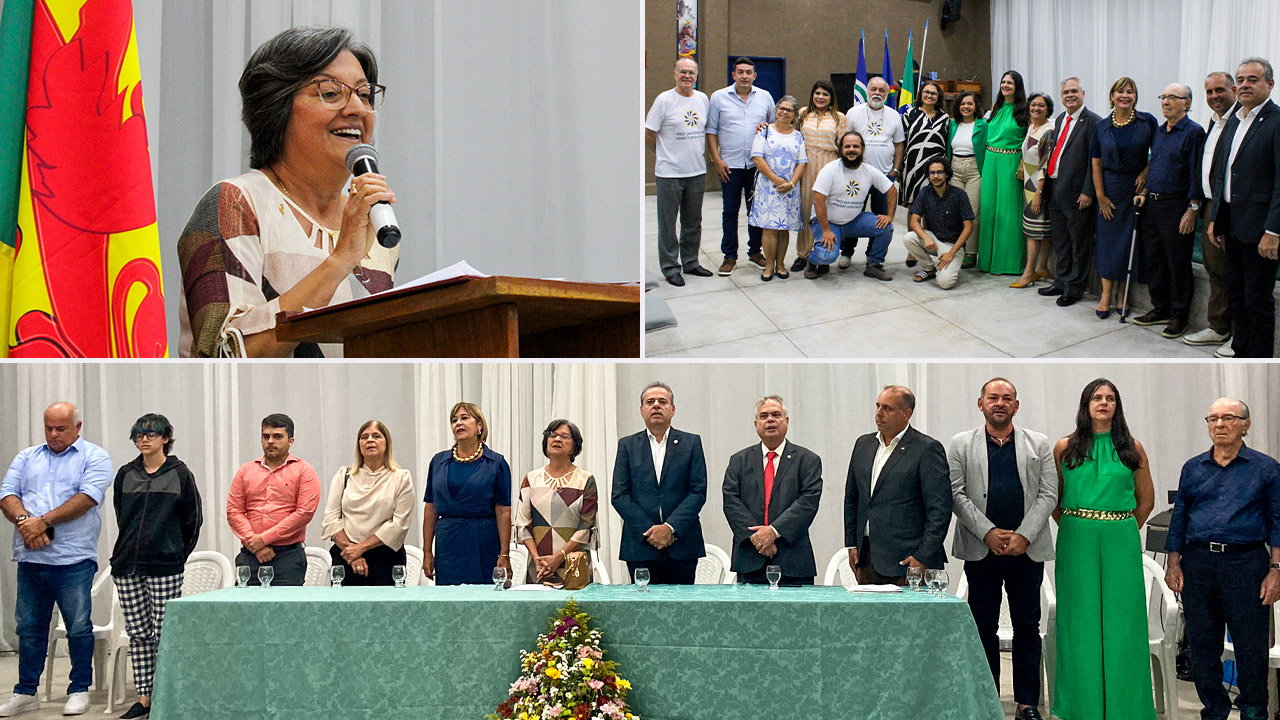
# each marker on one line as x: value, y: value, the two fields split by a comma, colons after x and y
x: 490, y: 317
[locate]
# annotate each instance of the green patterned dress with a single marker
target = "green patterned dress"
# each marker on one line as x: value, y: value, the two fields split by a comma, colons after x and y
x: 1001, y: 247
x: 1103, y: 668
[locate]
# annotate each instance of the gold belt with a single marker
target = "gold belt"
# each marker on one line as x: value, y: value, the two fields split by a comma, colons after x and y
x: 1002, y: 151
x: 1100, y: 514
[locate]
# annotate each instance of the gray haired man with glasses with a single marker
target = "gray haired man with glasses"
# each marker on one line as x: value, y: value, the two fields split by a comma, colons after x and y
x: 1226, y: 515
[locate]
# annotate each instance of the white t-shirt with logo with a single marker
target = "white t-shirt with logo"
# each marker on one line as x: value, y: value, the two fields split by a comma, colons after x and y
x: 847, y: 190
x: 880, y: 129
x: 681, y: 125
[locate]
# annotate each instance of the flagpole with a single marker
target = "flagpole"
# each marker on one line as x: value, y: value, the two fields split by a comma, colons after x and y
x: 924, y: 45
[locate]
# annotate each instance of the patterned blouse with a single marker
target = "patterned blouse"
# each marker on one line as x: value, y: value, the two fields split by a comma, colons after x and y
x: 242, y: 248
x: 553, y: 511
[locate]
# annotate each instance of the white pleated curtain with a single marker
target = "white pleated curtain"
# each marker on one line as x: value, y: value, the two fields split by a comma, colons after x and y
x: 1155, y: 42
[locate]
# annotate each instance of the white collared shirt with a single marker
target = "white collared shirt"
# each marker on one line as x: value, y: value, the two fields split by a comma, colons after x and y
x: 764, y: 451
x: 1211, y: 144
x: 883, y: 452
x: 1075, y: 120
x: 658, y: 449
x: 1246, y: 120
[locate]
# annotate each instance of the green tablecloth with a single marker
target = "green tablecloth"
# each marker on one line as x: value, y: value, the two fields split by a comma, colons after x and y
x: 707, y: 651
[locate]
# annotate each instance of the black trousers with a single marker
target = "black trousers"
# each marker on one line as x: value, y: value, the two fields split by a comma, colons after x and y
x: 757, y: 577
x: 380, y: 559
x: 1021, y: 578
x: 666, y: 570
x: 290, y: 564
x: 1072, y: 231
x: 1168, y: 255
x: 1251, y: 279
x: 1220, y: 591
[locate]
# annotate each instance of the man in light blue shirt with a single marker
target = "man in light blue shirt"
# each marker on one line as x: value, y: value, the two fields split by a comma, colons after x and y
x: 51, y: 494
x: 734, y: 115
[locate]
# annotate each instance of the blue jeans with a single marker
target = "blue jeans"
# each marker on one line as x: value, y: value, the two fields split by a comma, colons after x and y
x: 862, y: 226
x: 742, y: 181
x: 39, y: 587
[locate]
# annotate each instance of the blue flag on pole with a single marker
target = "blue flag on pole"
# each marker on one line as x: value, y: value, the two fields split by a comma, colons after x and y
x: 892, y: 100
x: 860, y: 85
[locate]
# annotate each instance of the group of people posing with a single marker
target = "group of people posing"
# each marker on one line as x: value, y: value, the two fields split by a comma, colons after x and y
x: 1002, y: 482
x: 1003, y: 191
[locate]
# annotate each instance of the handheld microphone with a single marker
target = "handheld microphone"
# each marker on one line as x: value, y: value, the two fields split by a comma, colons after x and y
x: 362, y: 159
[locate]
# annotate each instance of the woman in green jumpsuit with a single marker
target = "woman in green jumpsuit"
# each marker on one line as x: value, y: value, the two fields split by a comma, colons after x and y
x: 1106, y: 494
x: 1000, y: 245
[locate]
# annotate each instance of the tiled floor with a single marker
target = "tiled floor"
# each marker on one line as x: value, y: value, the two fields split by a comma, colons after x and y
x: 845, y: 314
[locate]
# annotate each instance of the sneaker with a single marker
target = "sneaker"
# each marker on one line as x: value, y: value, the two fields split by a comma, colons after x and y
x: 18, y: 704
x: 757, y: 260
x: 726, y: 267
x: 877, y: 271
x: 1225, y: 351
x: 1207, y: 336
x: 137, y: 711
x: 77, y: 704
x: 1175, y: 328
x: 844, y: 262
x: 810, y: 271
x: 1155, y: 317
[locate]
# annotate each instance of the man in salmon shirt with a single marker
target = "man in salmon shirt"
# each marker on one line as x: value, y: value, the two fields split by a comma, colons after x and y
x: 271, y: 501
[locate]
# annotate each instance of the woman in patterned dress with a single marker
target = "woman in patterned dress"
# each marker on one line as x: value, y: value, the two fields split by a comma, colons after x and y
x: 558, y: 504
x: 820, y: 122
x: 1035, y: 219
x: 778, y: 152
x: 926, y: 130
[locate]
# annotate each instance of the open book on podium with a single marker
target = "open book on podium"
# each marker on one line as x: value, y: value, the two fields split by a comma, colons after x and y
x: 459, y: 312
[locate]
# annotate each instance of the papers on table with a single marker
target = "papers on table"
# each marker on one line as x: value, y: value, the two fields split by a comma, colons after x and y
x: 532, y: 587
x: 460, y: 269
x: 874, y: 588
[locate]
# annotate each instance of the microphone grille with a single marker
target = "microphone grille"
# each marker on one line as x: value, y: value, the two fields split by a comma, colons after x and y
x: 363, y: 150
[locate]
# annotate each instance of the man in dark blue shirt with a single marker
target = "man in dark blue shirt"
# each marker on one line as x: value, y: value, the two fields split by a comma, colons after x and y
x: 940, y: 222
x: 1170, y: 202
x: 1227, y: 511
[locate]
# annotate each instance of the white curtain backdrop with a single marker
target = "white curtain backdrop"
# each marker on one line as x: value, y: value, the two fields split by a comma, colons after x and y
x: 500, y: 133
x: 216, y: 409
x: 1155, y: 42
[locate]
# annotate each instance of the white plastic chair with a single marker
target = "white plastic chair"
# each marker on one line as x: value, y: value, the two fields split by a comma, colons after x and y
x: 101, y: 589
x: 207, y: 570
x: 1164, y: 625
x: 519, y: 564
x: 838, y: 565
x: 599, y: 574
x: 1048, y: 625
x: 318, y: 564
x: 714, y: 568
x: 413, y: 566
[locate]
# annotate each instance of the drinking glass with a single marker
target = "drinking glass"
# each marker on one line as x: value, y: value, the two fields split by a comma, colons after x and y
x: 931, y: 579
x: 773, y: 574
x: 942, y: 580
x: 397, y: 575
x: 642, y: 579
x: 266, y: 574
x: 242, y: 576
x: 499, y: 578
x: 914, y: 576
x: 336, y: 575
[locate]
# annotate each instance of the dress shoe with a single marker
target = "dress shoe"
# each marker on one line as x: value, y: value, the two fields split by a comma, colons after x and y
x: 766, y: 278
x: 1102, y: 314
x: 676, y: 279
x: 844, y: 262
x: 726, y: 267
x: 1019, y: 284
x: 824, y: 269
x: 877, y: 271
x: 1028, y: 713
x: 1175, y: 328
x: 138, y: 710
x: 1050, y: 291
x: 1207, y: 336
x: 699, y: 271
x: 911, y: 261
x: 1042, y: 275
x: 1155, y: 317
x: 1067, y: 300
x: 799, y: 264
x: 781, y: 274
x: 757, y: 260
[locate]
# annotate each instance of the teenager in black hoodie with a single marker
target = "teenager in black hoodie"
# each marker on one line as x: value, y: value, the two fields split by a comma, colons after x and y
x: 158, y: 513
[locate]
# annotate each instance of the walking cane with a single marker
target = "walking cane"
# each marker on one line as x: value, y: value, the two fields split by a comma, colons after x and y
x: 1128, y: 273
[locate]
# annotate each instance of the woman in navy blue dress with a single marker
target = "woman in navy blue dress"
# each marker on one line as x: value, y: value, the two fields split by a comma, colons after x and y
x: 468, y: 511
x: 1121, y: 144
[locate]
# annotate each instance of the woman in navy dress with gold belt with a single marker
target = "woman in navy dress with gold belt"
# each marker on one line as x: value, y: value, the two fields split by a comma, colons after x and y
x: 468, y: 511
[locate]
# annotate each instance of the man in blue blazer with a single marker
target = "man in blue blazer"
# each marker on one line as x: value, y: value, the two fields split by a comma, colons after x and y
x: 659, y: 487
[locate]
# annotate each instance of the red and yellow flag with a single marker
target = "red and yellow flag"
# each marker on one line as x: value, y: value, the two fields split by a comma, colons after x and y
x: 85, y: 279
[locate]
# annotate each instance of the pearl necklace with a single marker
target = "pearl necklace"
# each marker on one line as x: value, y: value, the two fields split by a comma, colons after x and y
x: 474, y: 456
x: 1132, y: 115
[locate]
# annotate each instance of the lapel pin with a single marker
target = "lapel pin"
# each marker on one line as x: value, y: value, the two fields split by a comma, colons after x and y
x: 675, y: 441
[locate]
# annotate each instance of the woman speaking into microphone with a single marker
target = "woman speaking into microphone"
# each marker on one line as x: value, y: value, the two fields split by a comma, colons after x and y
x: 288, y: 234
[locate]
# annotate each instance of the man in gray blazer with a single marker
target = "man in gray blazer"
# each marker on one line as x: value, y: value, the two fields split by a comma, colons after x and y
x: 1005, y: 487
x: 897, y: 492
x: 771, y: 493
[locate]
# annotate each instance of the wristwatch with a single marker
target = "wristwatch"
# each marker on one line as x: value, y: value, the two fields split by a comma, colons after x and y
x: 1193, y: 205
x: 1275, y: 566
x: 21, y: 517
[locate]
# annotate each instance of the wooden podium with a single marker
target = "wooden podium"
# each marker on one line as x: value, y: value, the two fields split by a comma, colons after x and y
x: 491, y: 317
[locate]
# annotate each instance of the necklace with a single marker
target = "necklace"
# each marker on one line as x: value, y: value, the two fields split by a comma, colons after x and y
x: 474, y: 456
x: 288, y: 197
x: 1115, y: 123
x: 557, y: 482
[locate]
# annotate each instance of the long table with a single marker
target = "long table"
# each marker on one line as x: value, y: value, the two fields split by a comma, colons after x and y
x: 693, y: 652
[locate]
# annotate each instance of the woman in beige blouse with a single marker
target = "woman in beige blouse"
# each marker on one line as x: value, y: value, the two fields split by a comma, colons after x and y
x: 369, y: 509
x: 820, y: 122
x: 558, y: 502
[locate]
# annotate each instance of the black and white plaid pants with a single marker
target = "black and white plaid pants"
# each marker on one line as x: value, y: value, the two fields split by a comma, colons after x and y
x: 143, y: 600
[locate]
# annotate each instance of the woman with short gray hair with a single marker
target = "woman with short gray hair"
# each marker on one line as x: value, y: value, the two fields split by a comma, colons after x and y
x: 779, y: 154
x: 288, y: 235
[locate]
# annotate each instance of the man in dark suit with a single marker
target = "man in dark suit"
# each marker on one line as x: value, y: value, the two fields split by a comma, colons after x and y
x: 659, y: 487
x: 771, y: 493
x: 1069, y: 187
x: 1245, y: 219
x: 899, y: 492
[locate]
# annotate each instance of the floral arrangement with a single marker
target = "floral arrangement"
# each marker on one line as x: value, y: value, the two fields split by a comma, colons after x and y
x: 567, y: 677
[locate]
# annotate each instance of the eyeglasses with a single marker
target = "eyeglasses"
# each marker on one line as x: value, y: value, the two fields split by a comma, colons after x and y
x: 938, y: 172
x: 149, y: 436
x: 1174, y: 97
x: 1229, y: 419
x: 786, y: 110
x: 335, y: 94
x: 562, y: 436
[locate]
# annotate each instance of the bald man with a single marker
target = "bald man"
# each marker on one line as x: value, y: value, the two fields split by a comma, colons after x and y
x: 1226, y: 515
x: 51, y: 494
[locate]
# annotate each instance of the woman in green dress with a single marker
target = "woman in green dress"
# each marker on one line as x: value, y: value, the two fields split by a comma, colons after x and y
x: 1105, y: 495
x: 1000, y: 246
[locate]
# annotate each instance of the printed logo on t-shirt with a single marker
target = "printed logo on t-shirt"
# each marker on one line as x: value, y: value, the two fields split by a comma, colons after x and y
x: 691, y: 118
x: 852, y: 188
x: 875, y: 128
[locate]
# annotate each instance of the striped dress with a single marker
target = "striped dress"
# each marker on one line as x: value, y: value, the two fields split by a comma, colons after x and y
x: 926, y: 140
x: 820, y: 133
x: 1035, y: 155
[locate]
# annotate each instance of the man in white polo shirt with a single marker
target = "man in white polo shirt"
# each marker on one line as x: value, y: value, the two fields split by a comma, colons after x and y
x: 675, y: 129
x: 883, y: 143
x: 839, y: 195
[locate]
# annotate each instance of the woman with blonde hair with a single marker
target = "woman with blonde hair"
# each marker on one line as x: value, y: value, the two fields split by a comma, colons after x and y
x: 369, y: 510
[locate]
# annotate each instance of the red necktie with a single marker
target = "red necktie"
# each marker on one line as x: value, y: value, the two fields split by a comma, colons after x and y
x: 1057, y: 148
x: 768, y: 482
